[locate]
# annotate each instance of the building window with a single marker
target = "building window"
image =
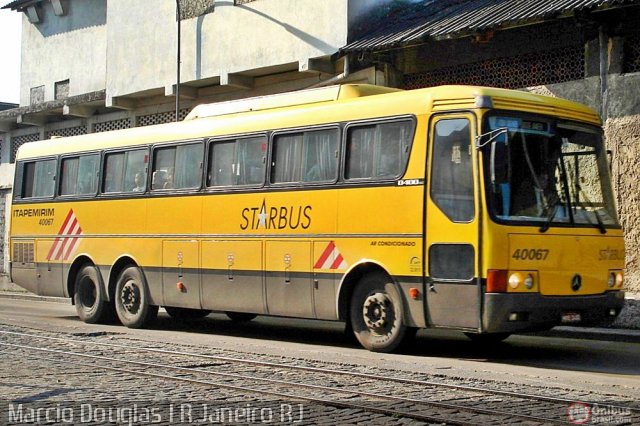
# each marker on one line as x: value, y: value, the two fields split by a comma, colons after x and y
x: 194, y: 8
x: 62, y: 89
x: 37, y: 95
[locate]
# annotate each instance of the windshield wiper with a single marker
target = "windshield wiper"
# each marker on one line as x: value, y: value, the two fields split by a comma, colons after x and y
x: 552, y: 214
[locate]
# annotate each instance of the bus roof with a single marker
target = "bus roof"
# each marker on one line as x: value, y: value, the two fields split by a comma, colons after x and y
x: 313, y: 107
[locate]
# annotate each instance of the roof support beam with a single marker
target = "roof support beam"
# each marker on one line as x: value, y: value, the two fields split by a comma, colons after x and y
x: 121, y: 103
x: 32, y: 120
x: 323, y: 66
x: 59, y: 8
x: 186, y: 92
x: 6, y: 127
x: 33, y: 13
x: 78, y: 111
x: 237, y: 80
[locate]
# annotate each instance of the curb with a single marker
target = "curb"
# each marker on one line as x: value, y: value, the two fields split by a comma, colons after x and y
x: 590, y: 333
x: 29, y: 296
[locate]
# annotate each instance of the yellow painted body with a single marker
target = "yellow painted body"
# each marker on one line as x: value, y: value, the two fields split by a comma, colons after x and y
x: 183, y: 236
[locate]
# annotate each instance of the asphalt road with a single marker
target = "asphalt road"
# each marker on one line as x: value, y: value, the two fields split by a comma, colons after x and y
x: 601, y: 366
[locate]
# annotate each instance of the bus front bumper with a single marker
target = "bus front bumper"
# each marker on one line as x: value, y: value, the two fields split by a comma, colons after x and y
x: 506, y: 313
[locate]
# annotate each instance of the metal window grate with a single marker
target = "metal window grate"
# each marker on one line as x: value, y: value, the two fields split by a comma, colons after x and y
x: 534, y: 69
x: 17, y: 141
x: 631, y: 61
x: 123, y: 123
x: 69, y: 131
x: 162, y: 117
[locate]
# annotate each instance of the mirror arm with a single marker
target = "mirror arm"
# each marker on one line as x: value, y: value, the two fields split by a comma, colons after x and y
x: 493, y: 135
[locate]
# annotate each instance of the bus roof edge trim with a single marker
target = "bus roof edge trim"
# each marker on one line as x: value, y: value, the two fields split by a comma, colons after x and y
x: 281, y: 100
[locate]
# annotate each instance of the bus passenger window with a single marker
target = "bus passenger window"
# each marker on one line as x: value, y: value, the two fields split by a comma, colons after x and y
x: 237, y: 162
x: 79, y: 175
x: 451, y: 173
x: 379, y: 151
x: 177, y: 167
x: 39, y: 179
x: 125, y: 171
x: 310, y: 156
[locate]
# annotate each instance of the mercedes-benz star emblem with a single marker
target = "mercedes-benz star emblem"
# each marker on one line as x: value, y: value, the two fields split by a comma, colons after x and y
x: 576, y: 282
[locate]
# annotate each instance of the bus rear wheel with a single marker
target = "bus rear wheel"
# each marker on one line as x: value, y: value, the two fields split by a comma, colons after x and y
x: 89, y: 296
x: 376, y: 313
x: 186, y: 313
x: 132, y: 299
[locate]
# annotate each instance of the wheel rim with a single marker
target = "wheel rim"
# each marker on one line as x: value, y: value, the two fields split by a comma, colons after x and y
x: 87, y: 292
x: 377, y: 313
x: 130, y: 297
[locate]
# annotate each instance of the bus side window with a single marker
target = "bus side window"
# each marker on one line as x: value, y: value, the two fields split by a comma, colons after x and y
x: 451, y: 174
x: 177, y: 167
x: 310, y: 156
x: 39, y: 179
x: 125, y: 171
x: 79, y: 175
x: 378, y: 151
x: 237, y: 162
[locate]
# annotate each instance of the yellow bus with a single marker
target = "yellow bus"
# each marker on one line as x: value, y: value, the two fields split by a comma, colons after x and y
x: 483, y: 210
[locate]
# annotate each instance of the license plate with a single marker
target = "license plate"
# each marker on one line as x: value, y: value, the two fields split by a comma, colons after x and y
x: 571, y: 317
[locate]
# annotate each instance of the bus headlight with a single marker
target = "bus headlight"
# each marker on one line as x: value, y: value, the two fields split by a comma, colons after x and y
x: 515, y: 280
x: 528, y: 282
x: 619, y: 279
x: 615, y: 280
x: 612, y: 280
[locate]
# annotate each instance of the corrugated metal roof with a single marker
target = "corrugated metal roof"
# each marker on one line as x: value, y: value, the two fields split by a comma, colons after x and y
x: 20, y: 4
x: 413, y: 21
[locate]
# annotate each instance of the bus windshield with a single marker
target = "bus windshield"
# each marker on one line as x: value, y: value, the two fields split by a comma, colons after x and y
x: 547, y: 172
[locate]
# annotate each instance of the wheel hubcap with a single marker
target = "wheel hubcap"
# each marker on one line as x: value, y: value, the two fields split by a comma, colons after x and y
x: 376, y: 311
x: 130, y: 297
x: 88, y: 294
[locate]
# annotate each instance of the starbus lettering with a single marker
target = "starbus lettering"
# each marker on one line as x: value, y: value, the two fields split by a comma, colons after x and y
x: 282, y: 217
x: 34, y: 212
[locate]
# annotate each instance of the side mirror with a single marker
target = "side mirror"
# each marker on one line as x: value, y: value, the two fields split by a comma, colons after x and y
x: 498, y: 164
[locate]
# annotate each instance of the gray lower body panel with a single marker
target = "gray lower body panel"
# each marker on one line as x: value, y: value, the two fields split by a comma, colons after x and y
x: 538, y: 312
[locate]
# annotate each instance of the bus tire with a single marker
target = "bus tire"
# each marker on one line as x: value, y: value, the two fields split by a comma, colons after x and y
x: 132, y: 299
x: 376, y: 313
x: 186, y: 313
x: 89, y: 296
x: 240, y: 316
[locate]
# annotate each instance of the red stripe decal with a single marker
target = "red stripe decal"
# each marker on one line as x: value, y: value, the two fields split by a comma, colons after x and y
x: 336, y: 263
x: 325, y: 255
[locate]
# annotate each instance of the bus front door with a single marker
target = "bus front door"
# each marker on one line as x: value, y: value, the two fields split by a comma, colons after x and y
x: 452, y: 295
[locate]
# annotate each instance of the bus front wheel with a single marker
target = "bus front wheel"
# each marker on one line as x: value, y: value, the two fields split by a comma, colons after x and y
x: 89, y: 296
x: 376, y: 313
x: 132, y: 299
